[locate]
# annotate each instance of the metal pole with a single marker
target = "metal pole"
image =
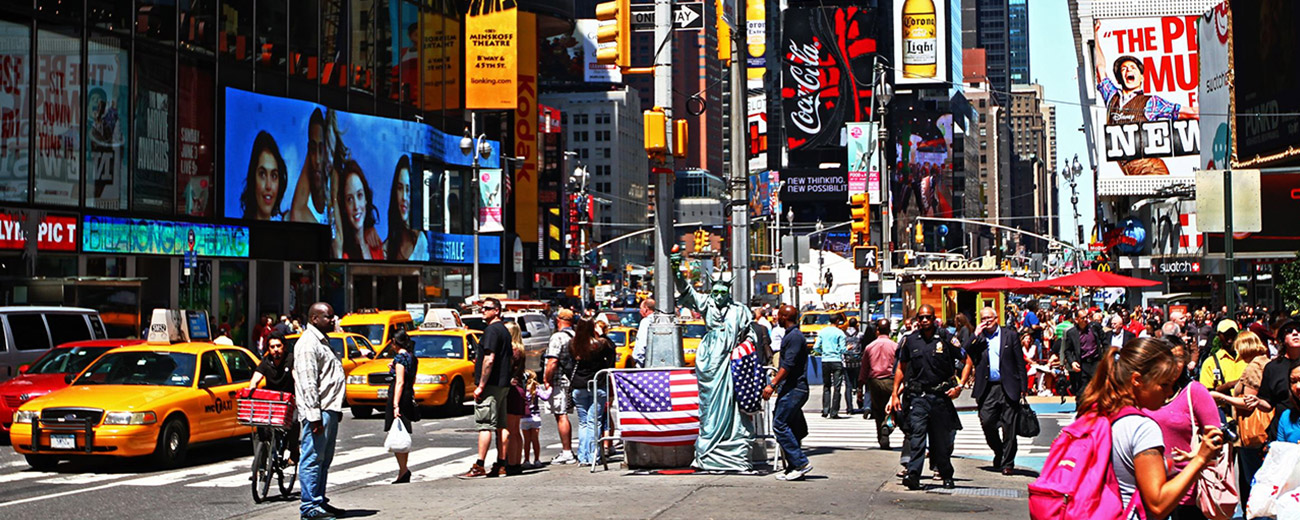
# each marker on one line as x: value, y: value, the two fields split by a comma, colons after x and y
x: 741, y: 285
x: 473, y: 131
x: 665, y: 342
x: 582, y: 242
x: 1230, y: 290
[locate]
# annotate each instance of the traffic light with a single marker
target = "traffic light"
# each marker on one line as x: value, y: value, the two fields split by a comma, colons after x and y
x: 681, y: 139
x: 920, y: 234
x: 701, y: 240
x: 860, y: 215
x: 724, y: 35
x: 775, y: 288
x: 656, y: 132
x: 614, y: 36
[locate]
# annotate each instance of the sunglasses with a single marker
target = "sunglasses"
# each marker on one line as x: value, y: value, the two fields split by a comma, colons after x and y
x: 926, y: 317
x: 491, y: 309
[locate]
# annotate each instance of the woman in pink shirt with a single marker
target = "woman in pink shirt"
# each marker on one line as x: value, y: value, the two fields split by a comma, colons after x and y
x: 1175, y: 422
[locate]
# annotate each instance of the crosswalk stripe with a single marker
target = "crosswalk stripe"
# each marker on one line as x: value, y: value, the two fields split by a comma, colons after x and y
x: 82, y: 478
x: 242, y: 464
x: 388, y: 466
x: 241, y: 478
x: 25, y: 475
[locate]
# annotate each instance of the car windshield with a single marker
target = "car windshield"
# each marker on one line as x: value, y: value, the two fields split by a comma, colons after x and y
x: 443, y: 346
x: 817, y: 319
x: 141, y: 368
x: 694, y: 330
x: 619, y: 337
x: 375, y: 333
x: 336, y: 344
x: 474, y: 323
x: 629, y: 318
x: 66, y: 360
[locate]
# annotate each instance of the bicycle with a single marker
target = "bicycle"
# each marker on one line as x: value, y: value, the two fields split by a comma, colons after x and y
x: 271, y: 458
x: 271, y: 413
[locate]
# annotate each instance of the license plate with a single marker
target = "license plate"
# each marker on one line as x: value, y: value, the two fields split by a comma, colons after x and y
x: 63, y: 442
x: 383, y: 393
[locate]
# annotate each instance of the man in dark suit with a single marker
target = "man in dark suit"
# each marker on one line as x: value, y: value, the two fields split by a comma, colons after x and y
x: 1116, y: 335
x: 999, y: 382
x: 1072, y: 352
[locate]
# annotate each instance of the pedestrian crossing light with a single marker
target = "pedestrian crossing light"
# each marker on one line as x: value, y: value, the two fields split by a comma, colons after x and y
x: 860, y: 215
x: 613, y: 37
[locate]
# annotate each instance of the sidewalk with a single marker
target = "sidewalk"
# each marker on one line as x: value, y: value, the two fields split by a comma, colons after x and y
x: 843, y: 483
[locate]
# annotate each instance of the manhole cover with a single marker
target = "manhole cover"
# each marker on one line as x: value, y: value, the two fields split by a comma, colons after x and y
x: 941, y: 506
x: 979, y: 492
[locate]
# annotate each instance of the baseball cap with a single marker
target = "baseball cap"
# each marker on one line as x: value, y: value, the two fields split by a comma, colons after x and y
x: 1227, y: 325
x: 565, y: 314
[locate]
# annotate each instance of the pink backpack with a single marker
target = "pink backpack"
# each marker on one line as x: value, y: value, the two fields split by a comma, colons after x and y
x: 1077, y: 480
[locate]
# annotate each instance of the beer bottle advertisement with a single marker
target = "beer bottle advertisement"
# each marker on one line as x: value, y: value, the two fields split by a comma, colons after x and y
x: 920, y: 42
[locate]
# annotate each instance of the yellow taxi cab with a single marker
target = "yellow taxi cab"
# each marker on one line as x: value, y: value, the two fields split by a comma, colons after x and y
x: 624, y: 339
x: 353, y: 350
x: 692, y: 332
x: 147, y: 399
x: 377, y: 326
x: 444, y: 377
x: 812, y: 321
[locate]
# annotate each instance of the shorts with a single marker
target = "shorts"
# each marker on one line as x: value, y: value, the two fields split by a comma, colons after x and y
x: 561, y: 400
x: 531, y: 422
x: 490, y: 409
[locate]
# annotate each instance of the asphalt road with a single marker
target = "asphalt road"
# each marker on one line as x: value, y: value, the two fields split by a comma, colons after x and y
x: 213, y: 483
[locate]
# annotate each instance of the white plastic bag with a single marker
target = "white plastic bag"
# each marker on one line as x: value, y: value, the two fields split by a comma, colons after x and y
x: 398, y: 440
x: 1276, y: 486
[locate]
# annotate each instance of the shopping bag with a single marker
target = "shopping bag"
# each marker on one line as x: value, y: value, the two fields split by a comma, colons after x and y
x: 398, y: 439
x: 1277, y: 480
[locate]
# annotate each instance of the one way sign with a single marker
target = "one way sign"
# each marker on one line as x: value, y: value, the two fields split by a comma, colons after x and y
x: 687, y: 16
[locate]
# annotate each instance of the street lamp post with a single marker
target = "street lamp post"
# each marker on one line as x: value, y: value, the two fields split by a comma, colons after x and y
x: 794, y: 244
x: 580, y: 178
x: 1071, y: 174
x: 474, y: 147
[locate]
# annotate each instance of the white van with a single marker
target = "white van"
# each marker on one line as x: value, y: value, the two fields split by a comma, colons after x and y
x: 27, y: 332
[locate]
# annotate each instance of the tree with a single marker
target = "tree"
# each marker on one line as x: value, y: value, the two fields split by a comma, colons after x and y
x: 1290, y: 284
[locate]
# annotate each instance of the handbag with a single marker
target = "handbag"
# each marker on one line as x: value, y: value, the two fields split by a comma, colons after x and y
x: 1216, y: 487
x: 1027, y: 420
x: 398, y: 439
x: 1252, y: 428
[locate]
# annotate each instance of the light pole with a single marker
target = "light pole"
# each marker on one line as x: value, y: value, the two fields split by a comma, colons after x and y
x: 794, y: 244
x: 1071, y: 174
x: 469, y: 146
x: 579, y: 178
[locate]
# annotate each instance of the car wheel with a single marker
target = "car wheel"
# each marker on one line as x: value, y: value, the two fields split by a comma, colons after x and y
x: 173, y: 442
x: 362, y: 412
x: 42, y: 462
x: 455, y: 397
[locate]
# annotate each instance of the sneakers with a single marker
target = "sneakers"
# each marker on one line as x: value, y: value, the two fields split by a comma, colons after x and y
x: 317, y: 514
x: 533, y: 465
x: 796, y: 473
x: 498, y: 470
x: 565, y: 457
x: 475, y: 471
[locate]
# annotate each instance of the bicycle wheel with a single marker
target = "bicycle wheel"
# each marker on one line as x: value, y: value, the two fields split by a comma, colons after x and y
x: 287, y: 473
x: 261, y: 481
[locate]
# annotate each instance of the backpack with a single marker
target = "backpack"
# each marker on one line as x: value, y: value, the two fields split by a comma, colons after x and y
x: 1078, y: 481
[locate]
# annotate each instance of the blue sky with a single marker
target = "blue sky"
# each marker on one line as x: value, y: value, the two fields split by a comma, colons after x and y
x: 1053, y: 64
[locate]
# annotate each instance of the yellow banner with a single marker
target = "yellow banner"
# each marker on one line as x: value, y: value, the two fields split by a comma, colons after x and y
x: 526, y: 217
x: 441, y: 62
x: 491, y: 54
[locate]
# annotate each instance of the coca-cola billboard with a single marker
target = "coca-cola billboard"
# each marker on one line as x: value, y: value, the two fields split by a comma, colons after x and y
x: 826, y: 73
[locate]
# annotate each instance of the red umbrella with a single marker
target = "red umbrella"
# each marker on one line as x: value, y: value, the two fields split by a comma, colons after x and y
x: 1007, y: 283
x: 1095, y: 279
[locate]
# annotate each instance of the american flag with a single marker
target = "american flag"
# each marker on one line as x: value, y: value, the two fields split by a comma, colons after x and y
x: 747, y: 377
x: 660, y: 407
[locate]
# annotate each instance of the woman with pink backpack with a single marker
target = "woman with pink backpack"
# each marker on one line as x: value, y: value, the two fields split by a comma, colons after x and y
x: 1111, y: 460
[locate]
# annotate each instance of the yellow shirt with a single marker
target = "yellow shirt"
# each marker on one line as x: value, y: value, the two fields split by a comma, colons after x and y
x: 1231, y: 366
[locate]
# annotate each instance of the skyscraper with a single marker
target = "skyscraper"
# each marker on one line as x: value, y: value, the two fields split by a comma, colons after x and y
x: 1018, y: 41
x: 986, y: 25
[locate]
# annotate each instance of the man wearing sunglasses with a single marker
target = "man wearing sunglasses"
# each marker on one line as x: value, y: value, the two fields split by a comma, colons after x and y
x: 492, y: 371
x: 926, y: 373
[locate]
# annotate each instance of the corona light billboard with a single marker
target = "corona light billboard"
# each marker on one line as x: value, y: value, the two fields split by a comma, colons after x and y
x: 920, y: 42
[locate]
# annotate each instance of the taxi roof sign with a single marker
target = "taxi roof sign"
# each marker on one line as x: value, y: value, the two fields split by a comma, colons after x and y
x: 168, y: 326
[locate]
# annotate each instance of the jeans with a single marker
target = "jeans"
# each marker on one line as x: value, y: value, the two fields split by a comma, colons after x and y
x: 790, y: 427
x: 317, y: 452
x: 851, y: 386
x: 832, y: 379
x: 591, y: 420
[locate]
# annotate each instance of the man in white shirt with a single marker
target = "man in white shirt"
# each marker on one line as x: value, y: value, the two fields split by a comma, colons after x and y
x: 643, y: 331
x: 318, y: 390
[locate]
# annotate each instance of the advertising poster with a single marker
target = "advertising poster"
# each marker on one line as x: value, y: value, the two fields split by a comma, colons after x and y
x: 814, y: 185
x: 760, y: 194
x: 756, y: 61
x: 489, y: 206
x: 404, y: 58
x: 194, y: 147
x: 161, y: 237
x: 15, y: 114
x: 491, y: 55
x: 108, y: 98
x: 922, y: 158
x: 826, y: 75
x: 1214, y: 92
x: 1145, y: 74
x: 291, y: 160
x: 526, y: 122
x: 54, y: 233
x: 864, y: 161
x: 440, y: 62
x: 571, y: 57
x: 1172, y: 228
x: 154, y: 184
x: 58, y: 118
x: 1266, y: 57
x: 920, y: 42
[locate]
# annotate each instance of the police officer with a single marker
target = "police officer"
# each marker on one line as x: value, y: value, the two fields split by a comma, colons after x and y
x: 925, y: 385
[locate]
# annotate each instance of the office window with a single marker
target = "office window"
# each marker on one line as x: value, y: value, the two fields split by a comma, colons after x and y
x: 363, y: 45
x: 156, y: 20
x: 405, y: 63
x: 606, y: 153
x: 198, y: 25
x: 582, y: 153
x: 15, y: 112
x: 334, y: 43
x: 272, y: 36
x: 108, y: 106
x: 304, y: 39
x: 235, y: 40
x: 111, y: 15
x: 58, y: 121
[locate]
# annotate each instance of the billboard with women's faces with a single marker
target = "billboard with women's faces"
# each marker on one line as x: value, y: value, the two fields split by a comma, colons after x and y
x: 297, y: 161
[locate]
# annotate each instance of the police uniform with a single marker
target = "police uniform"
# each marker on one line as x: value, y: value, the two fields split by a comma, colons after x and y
x: 932, y: 418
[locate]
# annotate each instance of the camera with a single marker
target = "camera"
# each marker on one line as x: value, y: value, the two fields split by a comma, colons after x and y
x: 1230, y: 432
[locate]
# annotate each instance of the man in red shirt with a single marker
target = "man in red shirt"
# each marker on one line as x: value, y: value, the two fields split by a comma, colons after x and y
x: 877, y: 373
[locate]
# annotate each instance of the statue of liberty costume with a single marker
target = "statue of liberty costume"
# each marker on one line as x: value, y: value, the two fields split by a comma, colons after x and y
x: 725, y: 432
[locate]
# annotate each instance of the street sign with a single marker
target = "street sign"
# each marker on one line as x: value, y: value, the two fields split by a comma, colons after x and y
x: 888, y: 284
x: 866, y: 257
x: 687, y: 16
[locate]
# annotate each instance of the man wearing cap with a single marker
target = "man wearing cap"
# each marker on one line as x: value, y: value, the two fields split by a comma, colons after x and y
x: 1225, y: 333
x: 1221, y: 372
x: 559, y: 364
